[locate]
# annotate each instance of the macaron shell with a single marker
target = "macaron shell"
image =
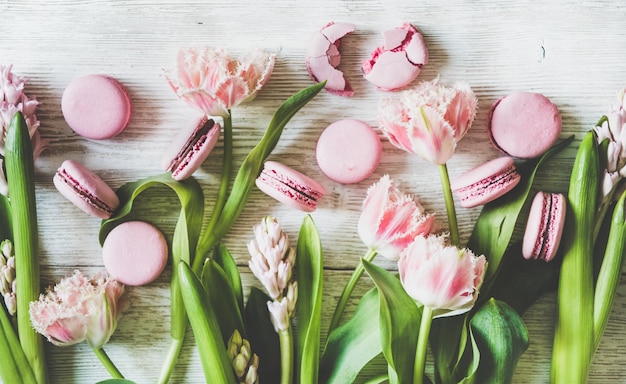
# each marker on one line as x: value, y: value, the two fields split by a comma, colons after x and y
x: 96, y: 106
x: 348, y: 151
x: 135, y: 253
x: 302, y: 193
x: 524, y: 124
x: 201, y: 149
x: 486, y: 182
x: 544, y: 227
x: 83, y: 179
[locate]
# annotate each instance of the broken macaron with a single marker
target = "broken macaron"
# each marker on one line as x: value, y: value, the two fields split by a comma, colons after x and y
x: 323, y: 58
x: 398, y: 61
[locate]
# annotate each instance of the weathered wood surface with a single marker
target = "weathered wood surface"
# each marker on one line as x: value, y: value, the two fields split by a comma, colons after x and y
x: 571, y: 51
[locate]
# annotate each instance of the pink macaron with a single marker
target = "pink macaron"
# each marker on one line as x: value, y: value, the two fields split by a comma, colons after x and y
x: 191, y: 146
x: 544, y: 227
x: 135, y: 253
x: 289, y: 186
x: 323, y: 58
x: 486, y: 182
x: 96, y: 106
x: 524, y: 124
x: 348, y: 151
x: 398, y: 61
x: 85, y: 189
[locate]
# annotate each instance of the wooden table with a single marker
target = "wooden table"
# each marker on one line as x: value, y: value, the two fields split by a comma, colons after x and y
x: 573, y: 52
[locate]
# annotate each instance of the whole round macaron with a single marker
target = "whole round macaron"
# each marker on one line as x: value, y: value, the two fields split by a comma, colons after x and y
x: 135, y: 253
x: 96, y: 106
x: 524, y: 124
x: 348, y: 151
x: 544, y: 227
x: 289, y: 186
x: 486, y: 182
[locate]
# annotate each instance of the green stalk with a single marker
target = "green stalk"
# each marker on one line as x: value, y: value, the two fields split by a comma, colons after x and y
x: 347, y: 290
x: 9, y: 370
x: 108, y: 364
x: 21, y: 181
x: 610, y: 272
x: 422, y: 346
x: 574, y: 334
x: 447, y: 194
x: 286, y: 356
x: 176, y: 344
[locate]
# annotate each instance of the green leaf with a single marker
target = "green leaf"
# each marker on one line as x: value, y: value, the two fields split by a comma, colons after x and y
x: 250, y: 169
x: 222, y: 256
x: 262, y: 337
x: 354, y: 344
x: 116, y: 381
x: 215, y: 361
x: 501, y: 337
x: 399, y: 322
x: 14, y: 367
x: 496, y: 223
x: 310, y: 275
x: 222, y: 299
x: 447, y: 342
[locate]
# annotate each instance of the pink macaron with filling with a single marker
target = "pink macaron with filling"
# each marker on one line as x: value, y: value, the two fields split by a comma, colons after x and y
x: 289, y: 186
x: 135, y: 253
x: 486, y: 182
x: 85, y: 189
x: 96, y: 106
x: 398, y: 61
x: 348, y: 151
x: 524, y: 124
x: 544, y: 228
x: 191, y: 146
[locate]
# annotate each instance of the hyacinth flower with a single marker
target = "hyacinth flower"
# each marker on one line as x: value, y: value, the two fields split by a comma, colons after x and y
x: 444, y: 279
x: 245, y: 363
x: 271, y: 262
x: 389, y: 222
x: 7, y: 276
x: 81, y: 309
x: 429, y: 120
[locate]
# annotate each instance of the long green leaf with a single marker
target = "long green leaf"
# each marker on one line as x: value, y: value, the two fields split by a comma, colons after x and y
x: 310, y: 275
x: 447, y: 344
x: 354, y: 344
x: 222, y: 256
x: 399, y: 322
x: 250, y: 169
x: 222, y: 299
x: 20, y: 171
x: 501, y: 337
x: 215, y: 361
x: 262, y: 337
x: 116, y: 381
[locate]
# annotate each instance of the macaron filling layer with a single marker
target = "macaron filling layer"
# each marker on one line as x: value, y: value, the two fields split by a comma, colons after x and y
x: 494, y: 183
x: 193, y: 145
x: 84, y: 193
x: 291, y: 188
x: 548, y: 234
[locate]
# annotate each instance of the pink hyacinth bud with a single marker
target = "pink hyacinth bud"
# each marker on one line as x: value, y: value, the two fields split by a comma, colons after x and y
x: 390, y: 219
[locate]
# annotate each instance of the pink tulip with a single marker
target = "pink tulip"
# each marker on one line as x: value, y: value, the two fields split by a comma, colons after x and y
x: 210, y: 80
x: 444, y: 278
x: 79, y: 309
x: 429, y: 120
x: 390, y: 220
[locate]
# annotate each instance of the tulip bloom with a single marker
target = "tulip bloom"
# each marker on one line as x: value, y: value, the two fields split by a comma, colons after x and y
x: 444, y: 279
x: 80, y: 309
x: 429, y: 121
x: 210, y: 80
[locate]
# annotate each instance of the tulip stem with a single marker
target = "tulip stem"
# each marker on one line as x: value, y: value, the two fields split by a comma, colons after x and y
x: 107, y: 363
x: 447, y: 194
x: 171, y: 358
x: 286, y: 356
x: 347, y: 291
x: 422, y: 344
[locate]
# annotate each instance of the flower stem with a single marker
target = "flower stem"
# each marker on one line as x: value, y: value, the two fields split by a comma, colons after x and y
x: 170, y: 360
x: 347, y: 290
x: 286, y: 356
x: 107, y: 363
x: 447, y: 194
x: 422, y: 344
x: 222, y: 195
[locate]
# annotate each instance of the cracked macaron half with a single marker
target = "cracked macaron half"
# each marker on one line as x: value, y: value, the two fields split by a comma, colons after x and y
x: 289, y: 186
x: 85, y: 189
